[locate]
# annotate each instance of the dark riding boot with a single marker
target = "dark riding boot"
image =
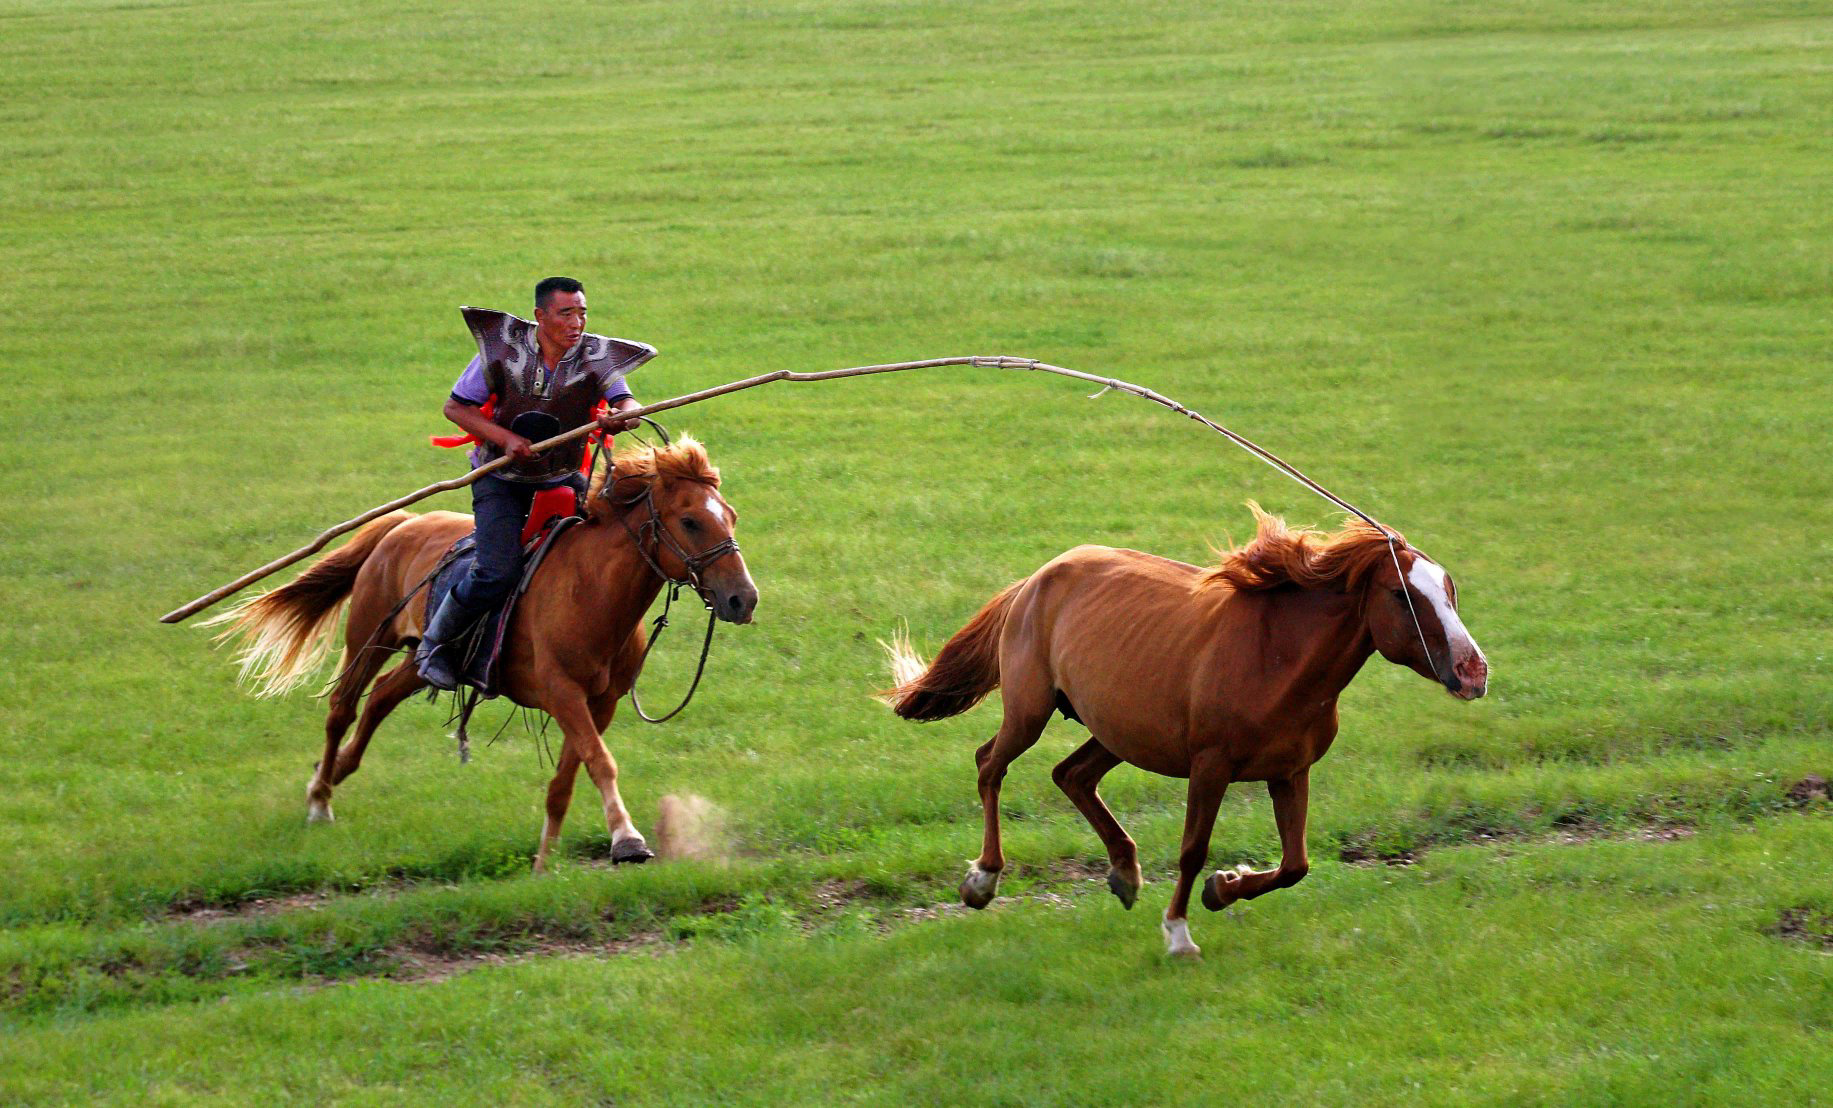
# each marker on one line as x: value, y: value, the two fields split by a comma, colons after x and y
x: 437, y: 656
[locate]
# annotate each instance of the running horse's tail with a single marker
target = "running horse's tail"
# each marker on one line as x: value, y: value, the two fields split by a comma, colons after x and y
x: 287, y: 632
x: 966, y: 669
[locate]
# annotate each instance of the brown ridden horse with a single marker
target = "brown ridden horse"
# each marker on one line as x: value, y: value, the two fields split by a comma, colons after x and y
x: 1219, y: 675
x: 574, y: 644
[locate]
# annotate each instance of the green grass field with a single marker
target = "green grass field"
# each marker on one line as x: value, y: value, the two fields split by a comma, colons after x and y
x: 1546, y: 285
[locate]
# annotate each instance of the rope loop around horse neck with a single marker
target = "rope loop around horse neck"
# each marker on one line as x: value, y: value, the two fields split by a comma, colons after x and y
x: 1245, y: 443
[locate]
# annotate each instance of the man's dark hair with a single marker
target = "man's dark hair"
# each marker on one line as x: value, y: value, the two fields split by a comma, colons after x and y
x: 550, y: 285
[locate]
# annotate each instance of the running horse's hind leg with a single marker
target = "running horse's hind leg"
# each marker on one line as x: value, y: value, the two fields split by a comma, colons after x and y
x: 362, y: 661
x: 397, y: 685
x: 1025, y: 716
x: 559, y: 799
x: 1078, y: 775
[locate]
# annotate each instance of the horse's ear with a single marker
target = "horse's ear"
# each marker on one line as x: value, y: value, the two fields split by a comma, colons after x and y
x: 602, y: 497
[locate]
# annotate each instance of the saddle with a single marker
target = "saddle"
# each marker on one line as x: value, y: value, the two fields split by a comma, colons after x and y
x: 479, y: 648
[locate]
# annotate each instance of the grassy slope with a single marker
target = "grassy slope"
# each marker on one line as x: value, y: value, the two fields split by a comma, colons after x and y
x: 1543, y: 284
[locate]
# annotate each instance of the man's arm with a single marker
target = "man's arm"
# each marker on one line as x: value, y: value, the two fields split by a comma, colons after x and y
x: 471, y: 418
x: 464, y: 407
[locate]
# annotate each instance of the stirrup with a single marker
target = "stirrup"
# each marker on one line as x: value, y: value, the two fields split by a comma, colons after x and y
x: 433, y: 660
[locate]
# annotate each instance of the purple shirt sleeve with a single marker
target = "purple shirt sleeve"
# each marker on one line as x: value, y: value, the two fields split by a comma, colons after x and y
x: 616, y: 390
x: 470, y: 387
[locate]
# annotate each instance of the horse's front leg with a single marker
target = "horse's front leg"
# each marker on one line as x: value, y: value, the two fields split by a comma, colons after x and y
x: 1290, y: 798
x: 573, y: 713
x: 1208, y: 781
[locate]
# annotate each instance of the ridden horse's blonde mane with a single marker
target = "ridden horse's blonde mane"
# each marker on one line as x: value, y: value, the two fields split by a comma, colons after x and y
x: 686, y: 458
x: 1311, y: 559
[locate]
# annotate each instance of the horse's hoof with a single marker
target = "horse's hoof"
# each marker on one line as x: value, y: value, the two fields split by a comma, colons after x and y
x: 1125, y: 890
x: 1211, y: 898
x: 632, y: 850
x: 1177, y: 940
x: 978, y: 887
x: 317, y: 811
x: 1219, y: 891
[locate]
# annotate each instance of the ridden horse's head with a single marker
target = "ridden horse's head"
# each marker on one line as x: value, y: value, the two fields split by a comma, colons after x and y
x: 1412, y: 616
x: 668, y: 497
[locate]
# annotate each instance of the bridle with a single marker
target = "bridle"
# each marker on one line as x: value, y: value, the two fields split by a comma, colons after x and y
x: 693, y: 564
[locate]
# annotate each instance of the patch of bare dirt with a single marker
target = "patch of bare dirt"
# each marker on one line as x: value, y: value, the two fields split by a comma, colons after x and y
x: 429, y: 964
x: 1569, y: 831
x: 1360, y: 852
x: 1805, y: 924
x: 1809, y: 789
x: 837, y: 894
x: 1077, y: 869
x: 198, y: 911
x: 924, y: 913
x: 1583, y: 829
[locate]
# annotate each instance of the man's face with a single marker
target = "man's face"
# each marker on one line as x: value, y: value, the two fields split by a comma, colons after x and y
x: 564, y: 318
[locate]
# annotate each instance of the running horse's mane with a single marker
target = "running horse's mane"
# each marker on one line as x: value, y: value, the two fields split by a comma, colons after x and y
x: 1302, y: 556
x: 686, y: 459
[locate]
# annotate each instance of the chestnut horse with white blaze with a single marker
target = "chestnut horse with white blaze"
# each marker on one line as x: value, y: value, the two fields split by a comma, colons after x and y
x: 1217, y: 675
x: 575, y: 641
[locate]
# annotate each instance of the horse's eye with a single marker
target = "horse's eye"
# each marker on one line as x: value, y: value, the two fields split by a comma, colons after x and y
x: 1399, y: 594
x: 691, y: 523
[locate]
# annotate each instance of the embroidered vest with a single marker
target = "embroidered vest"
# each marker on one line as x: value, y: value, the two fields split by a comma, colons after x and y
x: 537, y: 402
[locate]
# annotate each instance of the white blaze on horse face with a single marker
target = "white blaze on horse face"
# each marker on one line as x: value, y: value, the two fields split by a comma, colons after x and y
x: 1430, y: 581
x: 714, y: 507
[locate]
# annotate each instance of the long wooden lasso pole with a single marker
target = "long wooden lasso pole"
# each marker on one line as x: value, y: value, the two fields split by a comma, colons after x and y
x: 984, y: 361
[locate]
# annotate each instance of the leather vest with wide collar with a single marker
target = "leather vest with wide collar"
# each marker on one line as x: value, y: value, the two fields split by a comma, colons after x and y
x: 537, y: 402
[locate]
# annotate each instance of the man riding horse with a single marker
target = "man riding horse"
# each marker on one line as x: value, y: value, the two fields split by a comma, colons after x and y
x: 540, y: 379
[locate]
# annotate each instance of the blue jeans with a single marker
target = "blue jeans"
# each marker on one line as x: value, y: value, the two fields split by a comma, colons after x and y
x: 501, y: 508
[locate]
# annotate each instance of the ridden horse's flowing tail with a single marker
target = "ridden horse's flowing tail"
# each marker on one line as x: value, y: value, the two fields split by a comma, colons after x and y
x: 963, y: 673
x: 287, y: 632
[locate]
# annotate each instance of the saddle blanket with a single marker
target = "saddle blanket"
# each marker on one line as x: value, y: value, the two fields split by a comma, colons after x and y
x: 479, y: 648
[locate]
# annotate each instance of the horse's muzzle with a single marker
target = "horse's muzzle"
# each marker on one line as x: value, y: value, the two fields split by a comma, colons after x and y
x: 735, y: 606
x: 1469, y: 678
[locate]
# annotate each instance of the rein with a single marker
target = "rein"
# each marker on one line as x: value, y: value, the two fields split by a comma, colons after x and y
x: 655, y: 634
x: 694, y: 564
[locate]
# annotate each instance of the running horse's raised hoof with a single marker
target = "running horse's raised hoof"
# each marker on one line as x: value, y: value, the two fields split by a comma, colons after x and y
x: 574, y: 645
x: 1215, y: 675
